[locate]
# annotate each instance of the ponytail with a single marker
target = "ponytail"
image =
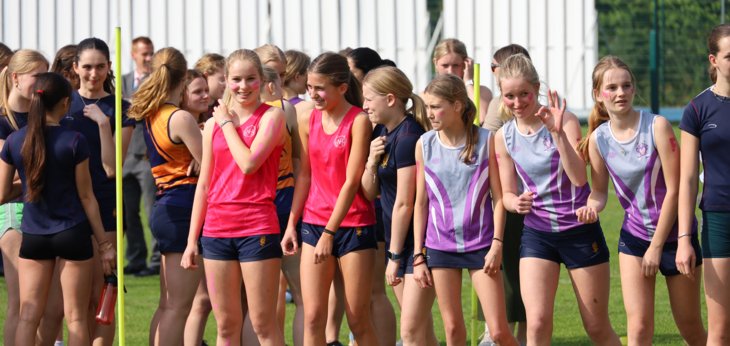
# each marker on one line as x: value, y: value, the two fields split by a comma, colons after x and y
x: 168, y: 71
x: 49, y: 90
x: 467, y: 116
x: 598, y: 116
x: 354, y: 92
x: 33, y: 151
x: 418, y: 109
x: 5, y: 86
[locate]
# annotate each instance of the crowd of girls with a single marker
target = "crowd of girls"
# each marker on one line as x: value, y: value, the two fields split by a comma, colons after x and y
x: 363, y: 185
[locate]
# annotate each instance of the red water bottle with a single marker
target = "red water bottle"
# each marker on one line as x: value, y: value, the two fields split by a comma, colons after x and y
x: 105, y: 310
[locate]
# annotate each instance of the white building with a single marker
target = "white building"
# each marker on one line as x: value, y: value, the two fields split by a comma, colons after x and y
x: 561, y: 35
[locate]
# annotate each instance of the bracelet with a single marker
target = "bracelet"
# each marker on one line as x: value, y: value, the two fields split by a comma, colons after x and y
x: 684, y: 235
x: 419, y: 263
x: 416, y: 255
x: 224, y: 123
x: 497, y: 239
x: 326, y: 231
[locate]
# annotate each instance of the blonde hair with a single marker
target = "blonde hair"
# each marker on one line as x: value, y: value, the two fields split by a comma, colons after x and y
x: 270, y: 52
x: 599, y: 114
x: 241, y: 55
x: 23, y: 61
x: 169, y: 69
x: 448, y: 46
x: 390, y: 80
x: 515, y: 66
x: 210, y: 63
x: 296, y: 64
x: 452, y: 89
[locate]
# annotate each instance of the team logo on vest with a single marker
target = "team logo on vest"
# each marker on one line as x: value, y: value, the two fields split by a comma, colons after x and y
x: 249, y: 131
x: 547, y: 142
x: 641, y: 150
x: 340, y: 141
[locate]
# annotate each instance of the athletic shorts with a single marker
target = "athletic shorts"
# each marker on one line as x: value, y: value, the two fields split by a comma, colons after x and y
x: 715, y: 234
x: 242, y: 249
x: 11, y: 214
x: 579, y: 247
x: 458, y: 260
x: 634, y: 246
x: 170, y: 226
x: 347, y: 239
x: 73, y: 244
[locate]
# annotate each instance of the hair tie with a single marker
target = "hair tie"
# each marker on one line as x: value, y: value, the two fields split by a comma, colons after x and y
x: 39, y: 91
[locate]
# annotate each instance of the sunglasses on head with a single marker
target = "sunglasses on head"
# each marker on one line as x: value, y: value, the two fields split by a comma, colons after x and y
x: 494, y: 66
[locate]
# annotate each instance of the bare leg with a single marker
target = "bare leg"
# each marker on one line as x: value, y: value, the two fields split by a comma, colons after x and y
x: 10, y: 246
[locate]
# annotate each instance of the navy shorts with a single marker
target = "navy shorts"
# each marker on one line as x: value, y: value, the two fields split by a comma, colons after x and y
x: 73, y: 244
x: 579, y: 247
x: 242, y: 249
x: 405, y: 265
x: 347, y: 239
x: 458, y: 260
x: 170, y: 226
x: 633, y: 246
x: 715, y: 234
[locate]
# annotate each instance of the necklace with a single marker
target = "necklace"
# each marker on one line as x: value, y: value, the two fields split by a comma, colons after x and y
x: 89, y: 104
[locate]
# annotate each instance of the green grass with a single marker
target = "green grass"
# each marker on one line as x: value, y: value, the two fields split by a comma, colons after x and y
x: 143, y: 295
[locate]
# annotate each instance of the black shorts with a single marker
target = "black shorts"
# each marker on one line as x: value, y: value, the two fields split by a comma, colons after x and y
x: 580, y: 247
x: 715, y: 234
x: 73, y: 244
x: 347, y: 239
x: 242, y: 249
x: 631, y: 245
x: 458, y: 260
x: 170, y: 226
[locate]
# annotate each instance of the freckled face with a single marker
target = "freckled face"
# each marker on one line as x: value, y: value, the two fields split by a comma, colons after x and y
x: 323, y: 93
x: 519, y: 96
x: 244, y: 81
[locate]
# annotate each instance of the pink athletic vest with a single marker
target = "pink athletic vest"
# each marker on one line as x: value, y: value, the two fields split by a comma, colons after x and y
x: 328, y: 157
x: 241, y: 205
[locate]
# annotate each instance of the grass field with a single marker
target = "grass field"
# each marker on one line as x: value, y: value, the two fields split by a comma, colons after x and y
x: 143, y: 295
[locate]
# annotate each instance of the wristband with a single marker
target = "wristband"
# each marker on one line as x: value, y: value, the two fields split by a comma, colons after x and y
x: 497, y: 239
x: 684, y: 235
x: 394, y: 256
x: 224, y: 123
x: 326, y: 231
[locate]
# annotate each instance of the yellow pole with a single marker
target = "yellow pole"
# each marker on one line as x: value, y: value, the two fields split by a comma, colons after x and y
x: 477, y: 95
x: 118, y: 176
x: 474, y: 300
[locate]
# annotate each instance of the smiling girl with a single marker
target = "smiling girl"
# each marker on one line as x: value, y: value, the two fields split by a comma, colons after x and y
x: 538, y: 146
x: 234, y: 205
x: 337, y: 220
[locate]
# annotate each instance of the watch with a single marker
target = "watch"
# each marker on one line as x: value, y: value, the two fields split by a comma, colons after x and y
x: 394, y: 256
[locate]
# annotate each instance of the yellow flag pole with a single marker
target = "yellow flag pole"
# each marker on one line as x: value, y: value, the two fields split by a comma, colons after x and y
x: 118, y: 178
